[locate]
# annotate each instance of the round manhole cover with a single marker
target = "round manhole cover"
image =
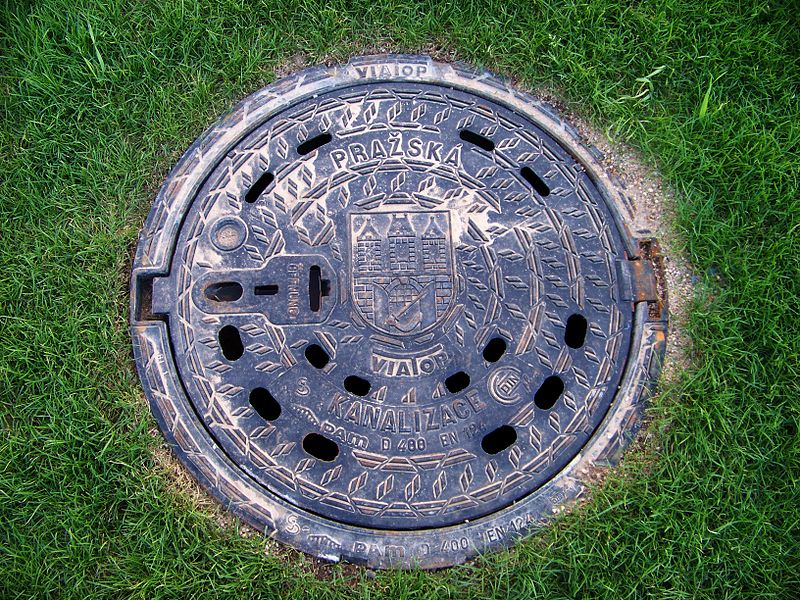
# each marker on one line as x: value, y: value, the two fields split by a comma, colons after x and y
x: 390, y: 312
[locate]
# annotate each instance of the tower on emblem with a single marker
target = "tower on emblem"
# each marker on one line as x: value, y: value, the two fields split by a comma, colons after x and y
x: 369, y: 249
x: 402, y: 245
x: 434, y: 248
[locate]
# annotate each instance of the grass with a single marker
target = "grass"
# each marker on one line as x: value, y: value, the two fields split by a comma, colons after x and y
x: 99, y: 100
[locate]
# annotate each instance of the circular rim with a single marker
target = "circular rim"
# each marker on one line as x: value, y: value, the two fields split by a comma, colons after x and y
x: 311, y: 533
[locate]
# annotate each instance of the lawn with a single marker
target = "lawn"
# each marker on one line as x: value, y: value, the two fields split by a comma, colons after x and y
x: 100, y: 99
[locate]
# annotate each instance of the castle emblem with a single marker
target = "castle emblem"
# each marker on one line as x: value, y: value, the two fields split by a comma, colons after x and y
x: 402, y: 265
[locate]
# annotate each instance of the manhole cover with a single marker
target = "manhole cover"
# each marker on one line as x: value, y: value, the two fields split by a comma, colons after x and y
x: 390, y: 312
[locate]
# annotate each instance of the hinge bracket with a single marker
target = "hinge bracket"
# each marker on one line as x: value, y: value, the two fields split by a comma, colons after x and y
x: 642, y: 278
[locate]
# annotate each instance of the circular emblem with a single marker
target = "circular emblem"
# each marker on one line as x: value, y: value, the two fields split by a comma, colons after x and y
x: 505, y: 385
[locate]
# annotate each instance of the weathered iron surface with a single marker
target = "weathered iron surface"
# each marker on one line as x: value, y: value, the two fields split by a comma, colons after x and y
x: 390, y: 312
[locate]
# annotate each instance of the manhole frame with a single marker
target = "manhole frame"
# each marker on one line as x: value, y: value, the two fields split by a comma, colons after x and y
x: 318, y: 535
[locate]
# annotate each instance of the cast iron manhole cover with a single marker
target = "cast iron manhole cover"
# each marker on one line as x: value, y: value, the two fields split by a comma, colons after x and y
x: 390, y: 312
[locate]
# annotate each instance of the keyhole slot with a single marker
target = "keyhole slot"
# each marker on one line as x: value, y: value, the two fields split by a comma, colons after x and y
x: 224, y: 291
x: 318, y: 288
x: 269, y: 289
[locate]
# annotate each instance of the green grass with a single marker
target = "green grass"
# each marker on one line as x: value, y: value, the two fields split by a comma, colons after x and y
x: 100, y: 99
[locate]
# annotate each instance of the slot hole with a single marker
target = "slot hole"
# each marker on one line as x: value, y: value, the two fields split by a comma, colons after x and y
x: 265, y: 404
x: 320, y: 447
x: 315, y: 288
x: 538, y: 184
x: 314, y: 143
x: 550, y: 391
x: 457, y: 382
x: 494, y: 349
x: 476, y: 139
x: 266, y: 290
x: 316, y: 355
x: 499, y: 439
x: 225, y: 291
x: 258, y: 187
x: 575, y: 333
x: 230, y: 342
x: 357, y: 385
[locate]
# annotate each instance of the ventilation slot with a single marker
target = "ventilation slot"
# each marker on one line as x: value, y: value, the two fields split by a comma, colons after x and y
x: 357, y: 385
x: 266, y: 290
x: 550, y: 391
x: 575, y: 333
x: 477, y: 139
x: 317, y: 356
x: 494, y: 350
x: 498, y: 440
x: 457, y: 382
x: 314, y: 143
x: 536, y: 181
x: 265, y: 404
x: 259, y: 186
x: 226, y: 291
x: 230, y: 343
x: 320, y: 447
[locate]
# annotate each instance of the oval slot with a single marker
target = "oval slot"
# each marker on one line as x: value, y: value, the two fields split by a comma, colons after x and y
x: 230, y: 342
x: 258, y: 187
x: 357, y: 385
x: 477, y: 139
x: 320, y: 447
x: 310, y: 145
x: 265, y: 404
x: 316, y: 355
x: 575, y: 333
x: 536, y: 182
x: 550, y: 391
x: 457, y: 382
x: 494, y: 350
x: 498, y: 440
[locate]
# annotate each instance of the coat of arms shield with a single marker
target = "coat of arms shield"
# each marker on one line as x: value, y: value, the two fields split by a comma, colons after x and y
x: 402, y: 266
